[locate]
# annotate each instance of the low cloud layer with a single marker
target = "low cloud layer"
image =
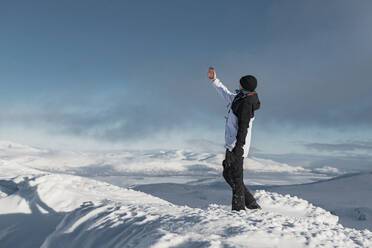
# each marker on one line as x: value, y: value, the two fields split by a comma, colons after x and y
x: 341, y: 147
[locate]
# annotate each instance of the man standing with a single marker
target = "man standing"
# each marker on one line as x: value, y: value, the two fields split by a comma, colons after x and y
x: 241, y: 107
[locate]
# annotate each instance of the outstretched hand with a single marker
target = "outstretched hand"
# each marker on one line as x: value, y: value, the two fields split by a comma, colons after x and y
x: 211, y: 73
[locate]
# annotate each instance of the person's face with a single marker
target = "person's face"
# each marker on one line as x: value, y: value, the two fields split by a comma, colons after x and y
x: 240, y: 87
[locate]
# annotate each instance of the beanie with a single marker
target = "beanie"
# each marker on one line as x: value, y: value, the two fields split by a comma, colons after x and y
x: 248, y: 82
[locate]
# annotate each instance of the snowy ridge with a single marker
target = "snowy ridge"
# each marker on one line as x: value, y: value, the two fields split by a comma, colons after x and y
x: 348, y: 196
x: 96, y: 213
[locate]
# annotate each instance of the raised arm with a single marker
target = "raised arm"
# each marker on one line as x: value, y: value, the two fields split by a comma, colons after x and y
x: 227, y: 95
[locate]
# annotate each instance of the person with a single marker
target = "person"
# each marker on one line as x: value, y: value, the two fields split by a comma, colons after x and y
x: 241, y: 106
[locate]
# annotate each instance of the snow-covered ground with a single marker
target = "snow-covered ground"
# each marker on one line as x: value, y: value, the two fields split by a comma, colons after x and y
x: 173, y: 198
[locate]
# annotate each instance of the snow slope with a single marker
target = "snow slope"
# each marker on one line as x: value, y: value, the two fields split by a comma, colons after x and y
x: 348, y: 196
x: 48, y: 200
x: 89, y: 213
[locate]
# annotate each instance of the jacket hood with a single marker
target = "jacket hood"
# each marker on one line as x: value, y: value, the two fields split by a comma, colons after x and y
x: 251, y: 99
x: 255, y: 102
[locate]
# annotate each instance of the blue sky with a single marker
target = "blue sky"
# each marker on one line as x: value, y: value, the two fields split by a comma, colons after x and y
x: 110, y: 74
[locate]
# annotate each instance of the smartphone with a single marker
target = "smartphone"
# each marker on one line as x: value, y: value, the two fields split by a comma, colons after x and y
x: 210, y: 72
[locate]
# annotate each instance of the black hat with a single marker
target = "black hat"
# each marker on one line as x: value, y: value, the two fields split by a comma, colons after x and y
x: 248, y: 82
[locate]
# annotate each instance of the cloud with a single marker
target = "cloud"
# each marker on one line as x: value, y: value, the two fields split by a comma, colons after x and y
x: 341, y: 147
x: 344, y: 162
x: 204, y: 145
x: 120, y: 121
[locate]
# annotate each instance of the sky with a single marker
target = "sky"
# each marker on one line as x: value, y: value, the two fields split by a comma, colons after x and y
x: 133, y: 74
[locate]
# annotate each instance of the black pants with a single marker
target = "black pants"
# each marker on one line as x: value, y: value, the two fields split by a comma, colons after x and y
x: 233, y: 174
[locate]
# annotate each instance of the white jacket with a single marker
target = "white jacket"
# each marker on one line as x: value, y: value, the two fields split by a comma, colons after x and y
x: 231, y: 126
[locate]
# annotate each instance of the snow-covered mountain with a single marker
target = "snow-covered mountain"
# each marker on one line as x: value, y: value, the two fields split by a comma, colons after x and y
x: 73, y: 199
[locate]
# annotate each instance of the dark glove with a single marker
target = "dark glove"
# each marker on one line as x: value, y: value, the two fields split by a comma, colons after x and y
x: 237, y: 151
x: 226, y: 163
x: 229, y: 159
x: 233, y: 156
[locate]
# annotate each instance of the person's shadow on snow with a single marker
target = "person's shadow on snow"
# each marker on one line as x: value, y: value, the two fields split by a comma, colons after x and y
x: 33, y: 227
x: 30, y: 194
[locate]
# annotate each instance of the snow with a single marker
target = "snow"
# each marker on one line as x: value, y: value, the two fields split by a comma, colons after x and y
x: 172, y: 198
x: 348, y: 196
